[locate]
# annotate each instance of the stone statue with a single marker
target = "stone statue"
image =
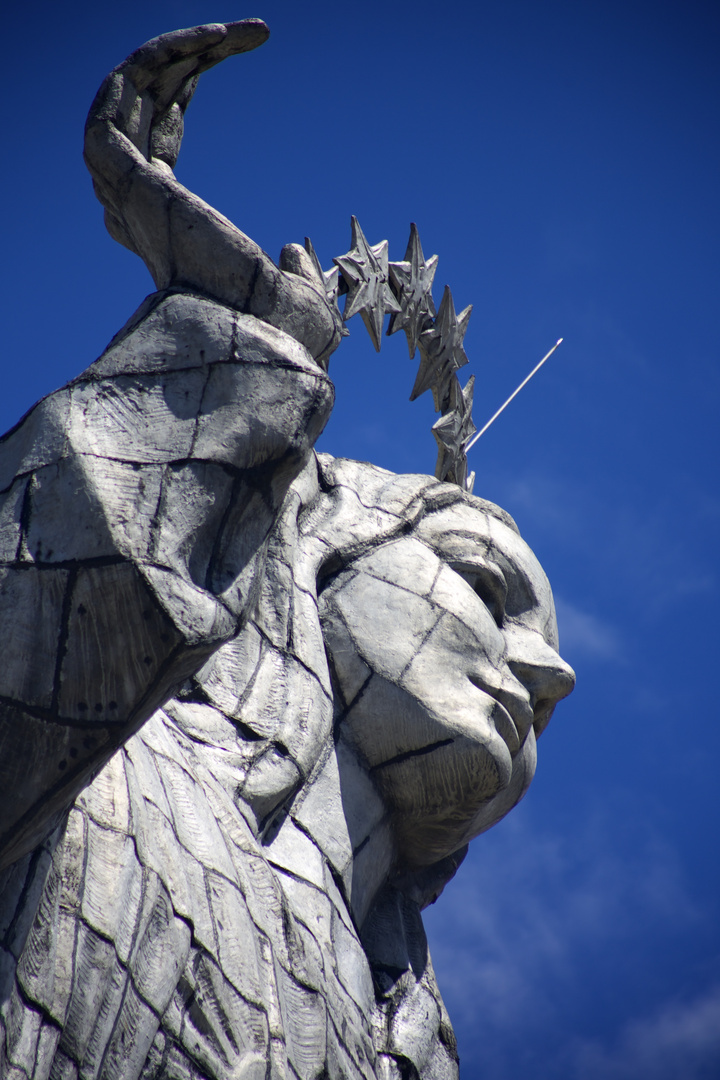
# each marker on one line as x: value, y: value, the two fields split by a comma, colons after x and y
x: 255, y: 702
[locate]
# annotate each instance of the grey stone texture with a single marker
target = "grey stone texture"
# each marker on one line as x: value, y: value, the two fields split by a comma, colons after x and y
x: 254, y: 702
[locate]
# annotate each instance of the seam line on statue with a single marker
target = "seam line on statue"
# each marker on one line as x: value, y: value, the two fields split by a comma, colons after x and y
x: 199, y: 412
x: 63, y: 637
x: 171, y: 824
x: 152, y: 565
x: 291, y: 656
x: 36, y: 1006
x: 352, y: 703
x: 275, y: 363
x: 425, y: 638
x: 412, y: 754
x: 91, y: 563
x: 214, y: 870
x: 38, y: 712
x: 24, y: 519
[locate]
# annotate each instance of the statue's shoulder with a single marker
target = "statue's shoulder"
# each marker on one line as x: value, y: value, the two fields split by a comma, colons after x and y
x: 182, y: 329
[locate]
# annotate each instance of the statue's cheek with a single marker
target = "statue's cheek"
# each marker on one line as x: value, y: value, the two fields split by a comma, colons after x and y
x: 384, y: 623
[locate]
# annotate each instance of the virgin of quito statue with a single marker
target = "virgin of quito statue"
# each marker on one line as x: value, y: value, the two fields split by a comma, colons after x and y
x: 254, y: 702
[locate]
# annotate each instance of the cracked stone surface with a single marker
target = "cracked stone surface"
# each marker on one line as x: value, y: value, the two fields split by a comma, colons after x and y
x: 255, y: 701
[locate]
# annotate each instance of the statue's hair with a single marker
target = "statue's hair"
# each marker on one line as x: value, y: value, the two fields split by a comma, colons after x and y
x: 362, y: 506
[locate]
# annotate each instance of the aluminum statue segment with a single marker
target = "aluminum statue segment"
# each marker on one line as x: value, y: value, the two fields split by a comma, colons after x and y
x: 255, y: 702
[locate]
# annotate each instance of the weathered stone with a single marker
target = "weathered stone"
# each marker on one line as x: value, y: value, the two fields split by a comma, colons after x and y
x: 234, y: 661
x: 374, y: 608
x: 261, y: 709
x: 363, y: 808
x: 193, y: 822
x: 233, y: 426
x: 46, y: 967
x: 117, y: 643
x: 314, y: 906
x: 106, y: 801
x: 194, y: 501
x: 40, y: 438
x: 180, y: 331
x: 141, y: 418
x: 161, y: 952
x: 316, y: 815
x: 237, y: 953
x: 11, y: 507
x: 352, y: 965
x: 21, y: 891
x: 415, y: 563
x: 308, y: 644
x: 373, y: 858
x: 113, y: 891
x: 160, y: 852
x: 22, y: 1028
x: 31, y: 617
x: 131, y: 1038
x: 194, y: 612
x: 54, y: 536
x: 414, y: 1028
x: 45, y: 765
x: 304, y: 1019
x: 291, y: 850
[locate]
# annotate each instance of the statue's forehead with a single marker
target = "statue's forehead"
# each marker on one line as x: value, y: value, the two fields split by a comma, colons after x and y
x: 463, y: 525
x: 463, y: 533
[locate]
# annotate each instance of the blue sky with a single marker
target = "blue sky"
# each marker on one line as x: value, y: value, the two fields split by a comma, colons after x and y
x: 562, y: 159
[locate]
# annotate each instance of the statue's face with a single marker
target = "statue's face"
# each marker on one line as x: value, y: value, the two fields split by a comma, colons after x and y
x: 443, y: 645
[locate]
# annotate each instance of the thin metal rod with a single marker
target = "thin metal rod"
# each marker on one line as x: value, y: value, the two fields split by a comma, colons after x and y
x: 514, y: 394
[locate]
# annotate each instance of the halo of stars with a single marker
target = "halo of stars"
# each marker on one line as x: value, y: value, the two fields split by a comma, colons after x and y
x: 376, y: 287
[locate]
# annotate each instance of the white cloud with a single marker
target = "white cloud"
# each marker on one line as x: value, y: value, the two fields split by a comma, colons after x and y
x: 551, y: 503
x: 681, y: 1041
x: 585, y: 634
x: 655, y: 553
x: 517, y: 933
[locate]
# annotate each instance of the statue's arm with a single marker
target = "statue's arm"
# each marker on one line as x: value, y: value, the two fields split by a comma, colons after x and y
x: 136, y: 502
x: 132, y: 139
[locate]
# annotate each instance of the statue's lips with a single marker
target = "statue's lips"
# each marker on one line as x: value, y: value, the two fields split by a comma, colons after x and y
x: 514, y: 726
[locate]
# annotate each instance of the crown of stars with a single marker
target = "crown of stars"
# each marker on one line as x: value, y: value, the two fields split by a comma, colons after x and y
x: 404, y: 289
x: 375, y: 288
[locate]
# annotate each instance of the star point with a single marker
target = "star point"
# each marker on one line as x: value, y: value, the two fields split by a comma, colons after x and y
x: 412, y: 282
x: 453, y: 432
x: 328, y: 279
x: 441, y: 351
x: 365, y: 271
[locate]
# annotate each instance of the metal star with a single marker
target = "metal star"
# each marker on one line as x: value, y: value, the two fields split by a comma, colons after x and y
x: 329, y: 278
x: 441, y: 351
x: 412, y: 284
x: 365, y: 270
x: 453, y: 432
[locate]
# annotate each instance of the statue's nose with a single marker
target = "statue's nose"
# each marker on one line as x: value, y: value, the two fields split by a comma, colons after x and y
x: 546, y: 677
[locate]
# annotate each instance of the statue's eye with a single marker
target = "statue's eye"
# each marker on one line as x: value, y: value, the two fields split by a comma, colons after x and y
x: 489, y: 584
x: 491, y: 598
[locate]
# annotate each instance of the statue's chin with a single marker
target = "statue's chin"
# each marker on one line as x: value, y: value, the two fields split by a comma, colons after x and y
x: 524, y: 765
x: 478, y: 790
